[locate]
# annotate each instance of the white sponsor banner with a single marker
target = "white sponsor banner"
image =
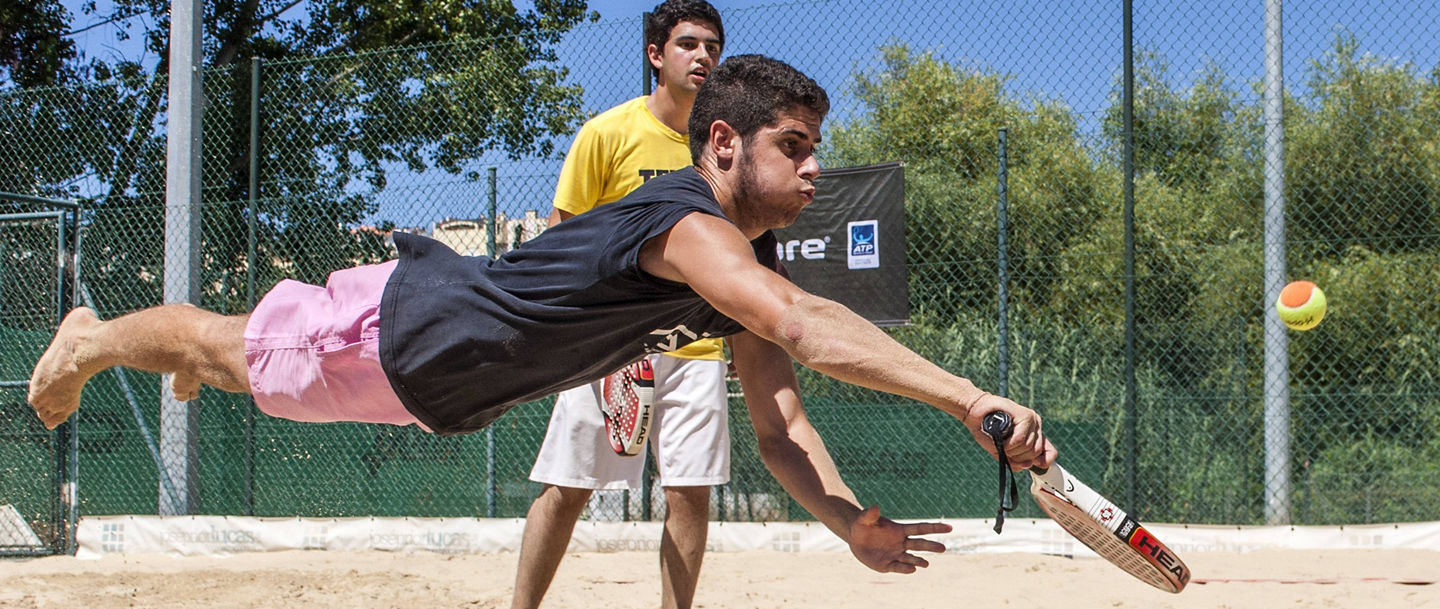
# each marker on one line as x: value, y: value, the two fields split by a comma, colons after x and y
x: 221, y: 535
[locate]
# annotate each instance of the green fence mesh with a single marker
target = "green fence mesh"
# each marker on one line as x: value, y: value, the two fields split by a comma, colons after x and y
x: 352, y: 147
x: 32, y: 461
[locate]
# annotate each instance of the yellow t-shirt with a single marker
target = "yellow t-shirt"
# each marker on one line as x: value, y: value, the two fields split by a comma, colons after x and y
x: 615, y: 153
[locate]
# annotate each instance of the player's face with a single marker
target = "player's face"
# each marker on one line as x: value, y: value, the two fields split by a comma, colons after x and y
x: 688, y: 57
x: 776, y: 169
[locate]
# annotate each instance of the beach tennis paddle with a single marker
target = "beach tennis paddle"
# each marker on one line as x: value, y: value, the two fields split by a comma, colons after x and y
x: 628, y: 395
x: 1091, y: 518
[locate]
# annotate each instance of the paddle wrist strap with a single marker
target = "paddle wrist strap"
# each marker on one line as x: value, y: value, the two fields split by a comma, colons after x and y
x: 997, y: 426
x: 1008, y: 494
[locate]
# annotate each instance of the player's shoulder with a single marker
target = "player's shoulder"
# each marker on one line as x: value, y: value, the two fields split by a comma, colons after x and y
x: 618, y: 119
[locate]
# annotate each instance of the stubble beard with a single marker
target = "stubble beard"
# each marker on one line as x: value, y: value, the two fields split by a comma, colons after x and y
x: 748, y: 203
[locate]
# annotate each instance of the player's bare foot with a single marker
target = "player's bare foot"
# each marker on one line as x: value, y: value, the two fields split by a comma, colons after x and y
x: 185, y: 387
x: 56, y: 383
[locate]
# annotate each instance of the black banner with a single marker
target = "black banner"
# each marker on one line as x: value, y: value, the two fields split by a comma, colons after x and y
x: 849, y: 244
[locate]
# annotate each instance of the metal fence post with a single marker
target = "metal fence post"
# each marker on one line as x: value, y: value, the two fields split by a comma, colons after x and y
x: 1002, y: 221
x: 67, y: 441
x: 1129, y: 221
x: 1277, y: 342
x: 179, y: 423
x: 645, y: 68
x: 251, y: 224
x: 645, y: 89
x: 492, y: 486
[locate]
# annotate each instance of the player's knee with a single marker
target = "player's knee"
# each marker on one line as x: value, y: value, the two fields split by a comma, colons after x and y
x: 574, y: 496
x: 221, y: 359
x: 697, y: 495
x: 566, y: 500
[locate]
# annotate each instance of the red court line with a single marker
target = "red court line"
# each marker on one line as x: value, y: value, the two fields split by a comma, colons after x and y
x: 1317, y: 580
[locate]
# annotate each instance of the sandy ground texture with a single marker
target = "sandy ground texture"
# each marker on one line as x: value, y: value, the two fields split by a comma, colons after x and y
x: 332, y: 580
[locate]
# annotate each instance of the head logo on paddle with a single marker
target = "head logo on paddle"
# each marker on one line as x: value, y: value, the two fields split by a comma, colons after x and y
x: 629, y: 395
x: 1089, y: 517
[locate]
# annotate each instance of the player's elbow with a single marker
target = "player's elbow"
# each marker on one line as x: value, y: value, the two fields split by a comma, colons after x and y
x: 769, y: 447
x: 802, y: 330
x: 776, y: 450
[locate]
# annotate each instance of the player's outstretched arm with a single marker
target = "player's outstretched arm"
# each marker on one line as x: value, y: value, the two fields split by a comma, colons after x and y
x: 794, y: 453
x: 716, y: 260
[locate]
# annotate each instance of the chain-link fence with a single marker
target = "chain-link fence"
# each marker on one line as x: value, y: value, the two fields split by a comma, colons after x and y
x: 38, y: 237
x: 425, y: 139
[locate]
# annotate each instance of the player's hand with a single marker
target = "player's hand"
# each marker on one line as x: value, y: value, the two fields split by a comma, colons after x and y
x: 1027, y: 445
x: 885, y: 545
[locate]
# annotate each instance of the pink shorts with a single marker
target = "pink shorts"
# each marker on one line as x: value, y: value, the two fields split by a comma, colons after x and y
x: 314, y: 353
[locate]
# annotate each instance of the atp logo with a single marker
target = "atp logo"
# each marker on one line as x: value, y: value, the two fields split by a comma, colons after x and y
x: 864, y: 250
x: 862, y: 240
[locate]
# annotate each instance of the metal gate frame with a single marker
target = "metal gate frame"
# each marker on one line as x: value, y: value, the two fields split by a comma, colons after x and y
x: 65, y: 502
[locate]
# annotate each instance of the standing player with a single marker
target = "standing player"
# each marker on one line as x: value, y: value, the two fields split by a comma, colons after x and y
x: 613, y: 154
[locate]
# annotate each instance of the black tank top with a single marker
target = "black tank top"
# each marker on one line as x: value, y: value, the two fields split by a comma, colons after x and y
x: 464, y: 339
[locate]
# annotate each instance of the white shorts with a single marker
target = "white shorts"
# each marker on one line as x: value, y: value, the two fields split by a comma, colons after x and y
x: 690, y: 433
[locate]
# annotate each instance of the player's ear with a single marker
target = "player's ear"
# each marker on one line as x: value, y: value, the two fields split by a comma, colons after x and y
x: 656, y: 55
x: 724, y: 142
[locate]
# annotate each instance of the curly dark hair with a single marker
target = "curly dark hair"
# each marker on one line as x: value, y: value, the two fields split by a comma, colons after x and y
x: 668, y: 14
x: 749, y: 92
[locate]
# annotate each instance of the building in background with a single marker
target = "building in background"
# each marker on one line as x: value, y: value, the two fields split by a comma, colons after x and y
x: 470, y: 237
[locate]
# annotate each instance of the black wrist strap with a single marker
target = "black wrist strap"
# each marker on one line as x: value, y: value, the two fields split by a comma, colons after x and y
x: 1008, y: 494
x: 997, y: 426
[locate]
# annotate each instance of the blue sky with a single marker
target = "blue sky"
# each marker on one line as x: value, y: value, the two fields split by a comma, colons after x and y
x: 1231, y: 31
x: 633, y: 8
x: 101, y: 41
x: 1064, y: 51
x: 1078, y: 42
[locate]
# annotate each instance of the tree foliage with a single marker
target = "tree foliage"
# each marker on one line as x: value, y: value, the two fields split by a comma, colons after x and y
x: 943, y: 121
x: 349, y: 88
x: 33, y: 47
x: 1364, y: 166
x: 1361, y: 171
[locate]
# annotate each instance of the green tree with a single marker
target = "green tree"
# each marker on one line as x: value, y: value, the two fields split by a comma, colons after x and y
x: 1362, y: 157
x: 349, y: 88
x: 1363, y: 176
x: 33, y: 47
x: 943, y: 121
x: 1181, y: 137
x: 33, y: 53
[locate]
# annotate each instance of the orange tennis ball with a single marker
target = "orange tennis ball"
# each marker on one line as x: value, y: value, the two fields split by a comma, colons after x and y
x: 1301, y: 305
